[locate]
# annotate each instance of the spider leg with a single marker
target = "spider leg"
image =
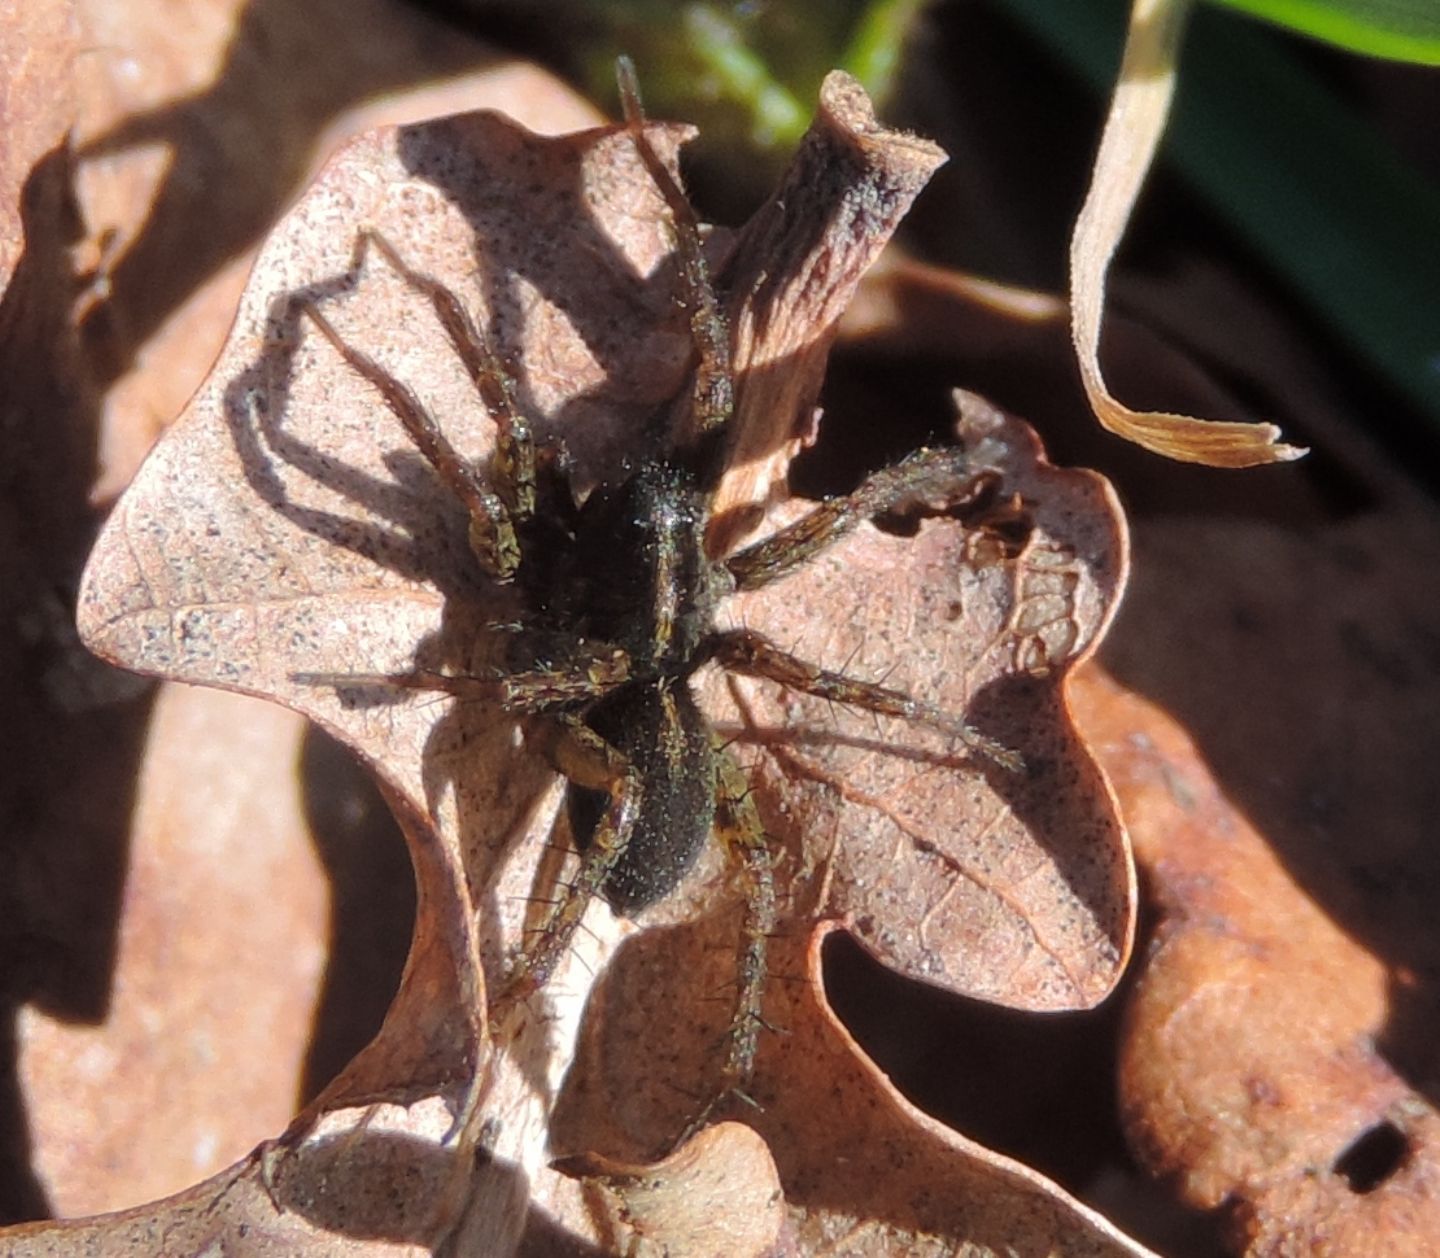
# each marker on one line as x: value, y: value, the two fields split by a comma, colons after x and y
x: 713, y: 390
x: 750, y: 653
x: 515, y: 451
x: 585, y: 758
x: 921, y: 476
x: 492, y: 524
x: 524, y: 692
x: 738, y: 826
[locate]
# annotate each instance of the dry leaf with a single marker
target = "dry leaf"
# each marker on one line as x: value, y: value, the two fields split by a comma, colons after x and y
x: 69, y: 730
x: 1283, y: 1030
x: 794, y: 272
x: 168, y: 183
x: 1014, y: 889
x: 211, y: 995
x: 1291, y: 1006
x: 718, y: 1194
x: 285, y: 529
x: 863, y: 1171
x: 194, y: 130
x: 1250, y: 1072
x: 1132, y: 132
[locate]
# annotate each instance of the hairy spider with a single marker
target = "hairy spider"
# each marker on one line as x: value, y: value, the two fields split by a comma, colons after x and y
x: 620, y: 601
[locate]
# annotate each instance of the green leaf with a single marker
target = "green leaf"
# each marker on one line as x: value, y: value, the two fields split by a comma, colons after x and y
x: 874, y: 50
x: 1402, y: 30
x: 741, y: 74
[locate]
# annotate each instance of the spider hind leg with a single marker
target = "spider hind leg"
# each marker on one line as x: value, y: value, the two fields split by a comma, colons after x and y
x: 586, y: 759
x: 688, y: 790
x: 750, y: 653
x: 738, y: 826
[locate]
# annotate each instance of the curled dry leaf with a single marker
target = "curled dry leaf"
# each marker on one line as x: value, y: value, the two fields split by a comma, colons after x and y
x: 1249, y: 1070
x: 1132, y: 132
x: 718, y: 1194
x: 1280, y: 1054
x: 286, y: 529
x: 795, y: 269
x: 864, y: 1172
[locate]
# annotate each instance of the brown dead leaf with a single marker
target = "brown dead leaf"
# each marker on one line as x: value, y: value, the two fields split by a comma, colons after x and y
x: 285, y: 528
x: 362, y: 1194
x: 863, y: 1172
x: 1283, y: 1047
x: 1250, y: 1073
x: 1330, y: 632
x: 960, y: 878
x: 162, y: 180
x: 718, y: 1194
x: 213, y: 991
x: 339, y: 573
x: 1013, y: 888
x: 48, y: 399
x: 38, y: 43
x: 193, y: 130
x: 69, y: 733
x: 795, y: 269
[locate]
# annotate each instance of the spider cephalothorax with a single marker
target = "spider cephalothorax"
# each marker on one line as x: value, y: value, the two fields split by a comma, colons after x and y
x: 620, y: 599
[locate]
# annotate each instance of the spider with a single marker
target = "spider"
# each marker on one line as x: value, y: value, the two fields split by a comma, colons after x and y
x: 620, y: 605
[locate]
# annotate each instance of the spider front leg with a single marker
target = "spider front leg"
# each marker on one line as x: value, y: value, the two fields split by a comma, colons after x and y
x: 942, y: 473
x: 713, y: 389
x: 492, y: 523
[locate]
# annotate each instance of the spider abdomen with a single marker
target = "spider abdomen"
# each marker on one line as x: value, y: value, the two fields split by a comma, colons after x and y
x: 662, y: 733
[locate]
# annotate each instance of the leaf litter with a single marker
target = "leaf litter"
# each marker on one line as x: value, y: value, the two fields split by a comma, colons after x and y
x: 122, y: 1030
x: 1277, y: 1050
x: 285, y: 529
x: 1250, y: 1073
x: 1280, y: 1051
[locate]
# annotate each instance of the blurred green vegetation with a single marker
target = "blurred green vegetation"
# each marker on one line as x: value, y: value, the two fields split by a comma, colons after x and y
x: 1405, y: 30
x: 749, y: 72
